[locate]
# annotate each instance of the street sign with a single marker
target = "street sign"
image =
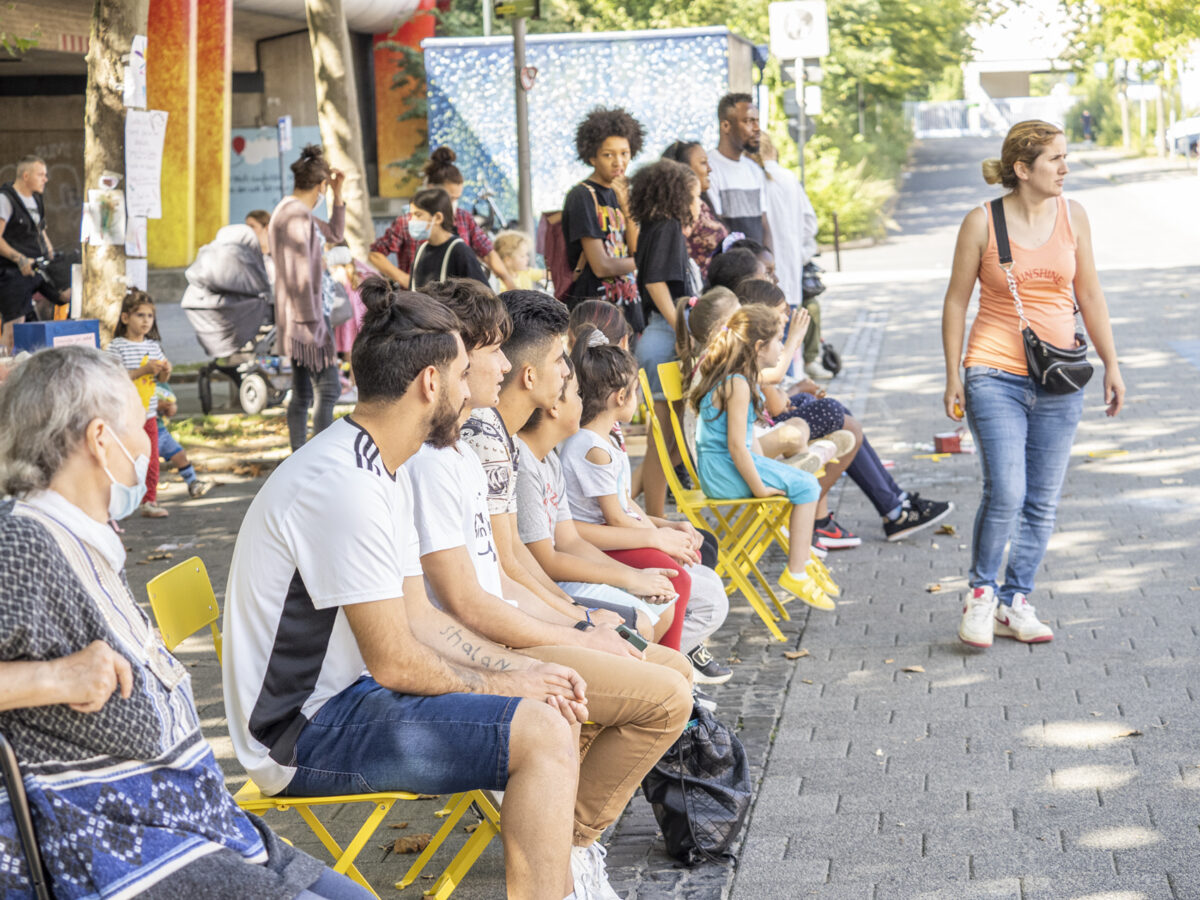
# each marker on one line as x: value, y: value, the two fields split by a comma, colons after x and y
x: 514, y: 9
x: 799, y: 29
x: 812, y: 99
x: 285, y: 133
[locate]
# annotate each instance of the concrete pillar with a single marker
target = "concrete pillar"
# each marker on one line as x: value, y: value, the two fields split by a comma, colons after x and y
x: 171, y: 86
x: 214, y: 96
x: 397, y: 141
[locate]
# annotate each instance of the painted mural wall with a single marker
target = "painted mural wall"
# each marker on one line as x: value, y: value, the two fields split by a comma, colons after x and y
x: 670, y: 81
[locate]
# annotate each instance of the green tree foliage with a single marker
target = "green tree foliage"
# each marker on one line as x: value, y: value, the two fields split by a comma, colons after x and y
x: 1132, y: 29
x: 14, y: 44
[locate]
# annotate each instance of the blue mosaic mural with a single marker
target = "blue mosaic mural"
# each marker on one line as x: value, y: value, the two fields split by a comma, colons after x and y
x: 670, y: 81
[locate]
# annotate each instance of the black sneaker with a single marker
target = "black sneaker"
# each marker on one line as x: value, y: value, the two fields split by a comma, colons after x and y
x: 685, y: 479
x: 707, y: 670
x: 915, y: 515
x: 705, y: 700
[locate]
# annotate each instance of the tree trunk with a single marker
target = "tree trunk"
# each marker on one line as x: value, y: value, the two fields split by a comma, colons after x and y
x: 337, y: 115
x: 113, y: 28
x: 1160, y: 114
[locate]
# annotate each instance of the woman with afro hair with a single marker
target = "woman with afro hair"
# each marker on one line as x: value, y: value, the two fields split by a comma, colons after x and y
x: 596, y: 224
x: 664, y: 199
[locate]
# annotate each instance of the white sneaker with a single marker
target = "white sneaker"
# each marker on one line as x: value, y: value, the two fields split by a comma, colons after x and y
x: 589, y: 874
x: 975, y: 630
x: 1020, y: 622
x: 816, y: 371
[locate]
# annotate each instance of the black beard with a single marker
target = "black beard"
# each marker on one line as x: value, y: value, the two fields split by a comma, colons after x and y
x: 443, y: 425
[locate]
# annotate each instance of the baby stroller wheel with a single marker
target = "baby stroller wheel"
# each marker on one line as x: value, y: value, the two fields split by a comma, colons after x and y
x: 204, y: 389
x: 253, y: 393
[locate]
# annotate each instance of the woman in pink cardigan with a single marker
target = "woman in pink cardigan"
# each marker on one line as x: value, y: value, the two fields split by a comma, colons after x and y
x: 297, y: 238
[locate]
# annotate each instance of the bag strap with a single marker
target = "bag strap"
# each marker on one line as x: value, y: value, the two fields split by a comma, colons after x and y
x: 583, y: 256
x: 446, y: 258
x: 1004, y: 250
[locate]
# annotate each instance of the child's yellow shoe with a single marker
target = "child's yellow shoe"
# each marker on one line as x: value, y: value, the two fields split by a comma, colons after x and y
x: 821, y: 576
x: 807, y: 589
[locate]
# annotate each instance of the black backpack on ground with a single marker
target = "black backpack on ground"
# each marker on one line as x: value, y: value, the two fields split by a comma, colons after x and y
x: 700, y: 791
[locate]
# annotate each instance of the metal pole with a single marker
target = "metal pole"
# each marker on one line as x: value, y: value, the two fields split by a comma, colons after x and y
x: 803, y: 113
x: 524, y: 182
x: 487, y: 18
x: 837, y: 243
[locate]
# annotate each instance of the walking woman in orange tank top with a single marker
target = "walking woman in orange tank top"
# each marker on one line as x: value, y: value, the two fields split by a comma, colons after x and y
x: 1024, y: 433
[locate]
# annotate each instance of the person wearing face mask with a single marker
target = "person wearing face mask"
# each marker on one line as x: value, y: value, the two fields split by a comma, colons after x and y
x: 442, y: 253
x: 126, y: 793
x: 397, y: 242
x: 297, y: 239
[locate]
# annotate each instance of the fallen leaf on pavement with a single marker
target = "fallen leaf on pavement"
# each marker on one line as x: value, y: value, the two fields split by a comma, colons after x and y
x: 733, y: 659
x: 932, y: 588
x: 399, y: 825
x: 154, y: 556
x: 913, y: 669
x: 470, y: 829
x: 888, y: 662
x: 413, y: 843
x: 947, y: 529
x: 806, y: 680
x: 795, y: 654
x: 1133, y: 732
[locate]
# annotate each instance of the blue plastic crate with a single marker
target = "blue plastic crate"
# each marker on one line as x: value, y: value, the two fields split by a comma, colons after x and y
x: 34, y: 336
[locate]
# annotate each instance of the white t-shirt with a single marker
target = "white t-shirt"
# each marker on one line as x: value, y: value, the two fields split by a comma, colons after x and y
x: 736, y: 191
x: 793, y: 224
x: 30, y: 202
x: 588, y: 481
x: 330, y: 528
x: 451, y: 506
x: 131, y: 354
x: 541, y: 495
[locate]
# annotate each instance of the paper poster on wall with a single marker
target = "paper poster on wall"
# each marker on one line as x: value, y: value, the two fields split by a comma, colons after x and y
x: 255, y: 169
x: 103, y: 218
x: 135, y: 236
x: 144, y: 134
x: 136, y: 273
x: 135, y: 74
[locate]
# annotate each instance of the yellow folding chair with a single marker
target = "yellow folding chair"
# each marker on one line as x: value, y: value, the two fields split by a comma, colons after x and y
x: 745, y: 528
x: 183, y: 602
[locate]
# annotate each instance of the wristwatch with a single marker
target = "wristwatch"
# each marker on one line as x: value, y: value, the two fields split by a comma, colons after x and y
x: 583, y: 625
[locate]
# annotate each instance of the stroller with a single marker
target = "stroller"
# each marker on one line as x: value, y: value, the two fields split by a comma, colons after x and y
x: 228, y: 303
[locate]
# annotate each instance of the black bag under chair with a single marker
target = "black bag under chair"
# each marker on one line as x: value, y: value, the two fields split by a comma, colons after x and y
x: 700, y: 791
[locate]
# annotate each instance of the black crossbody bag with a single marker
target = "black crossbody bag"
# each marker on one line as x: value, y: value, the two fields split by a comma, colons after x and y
x: 1057, y: 370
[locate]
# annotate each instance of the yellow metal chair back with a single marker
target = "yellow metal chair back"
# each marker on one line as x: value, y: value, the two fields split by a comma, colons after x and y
x: 183, y: 602
x: 745, y: 528
x: 670, y: 376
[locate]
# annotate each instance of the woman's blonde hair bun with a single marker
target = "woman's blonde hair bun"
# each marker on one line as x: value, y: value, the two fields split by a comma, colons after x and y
x: 991, y: 170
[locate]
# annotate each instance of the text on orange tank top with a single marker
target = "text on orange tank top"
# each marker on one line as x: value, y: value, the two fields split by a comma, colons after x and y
x: 1045, y: 282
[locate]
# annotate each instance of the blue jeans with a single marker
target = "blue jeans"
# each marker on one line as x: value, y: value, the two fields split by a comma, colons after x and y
x: 1024, y: 436
x: 369, y: 738
x: 655, y: 345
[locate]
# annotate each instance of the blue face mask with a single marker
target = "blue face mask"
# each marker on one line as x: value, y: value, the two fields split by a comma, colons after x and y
x: 419, y: 229
x: 124, y: 499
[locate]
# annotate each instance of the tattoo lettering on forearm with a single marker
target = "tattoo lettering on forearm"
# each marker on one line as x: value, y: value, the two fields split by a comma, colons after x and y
x: 454, y: 639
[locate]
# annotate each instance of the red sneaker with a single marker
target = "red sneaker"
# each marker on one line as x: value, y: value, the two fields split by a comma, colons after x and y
x: 833, y: 536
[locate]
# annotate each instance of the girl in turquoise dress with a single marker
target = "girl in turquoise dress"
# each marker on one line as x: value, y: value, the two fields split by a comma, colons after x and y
x: 731, y: 465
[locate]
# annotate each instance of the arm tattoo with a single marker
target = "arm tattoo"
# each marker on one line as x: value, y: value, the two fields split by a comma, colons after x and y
x: 478, y: 654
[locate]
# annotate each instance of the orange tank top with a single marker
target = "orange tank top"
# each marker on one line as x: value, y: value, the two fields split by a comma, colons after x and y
x: 1045, y: 278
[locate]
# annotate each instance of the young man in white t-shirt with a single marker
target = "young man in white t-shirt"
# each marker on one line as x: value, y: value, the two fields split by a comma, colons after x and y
x: 339, y: 675
x: 736, y: 184
x: 638, y: 703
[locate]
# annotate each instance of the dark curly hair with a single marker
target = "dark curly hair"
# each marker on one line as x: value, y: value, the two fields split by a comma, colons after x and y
x: 662, y: 190
x: 599, y: 125
x: 440, y: 169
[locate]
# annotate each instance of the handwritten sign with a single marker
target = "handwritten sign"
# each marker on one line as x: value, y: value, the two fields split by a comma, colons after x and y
x: 144, y: 134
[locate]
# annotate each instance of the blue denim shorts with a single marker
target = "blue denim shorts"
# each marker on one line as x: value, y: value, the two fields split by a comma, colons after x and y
x: 167, y: 445
x: 369, y: 738
x: 656, y: 345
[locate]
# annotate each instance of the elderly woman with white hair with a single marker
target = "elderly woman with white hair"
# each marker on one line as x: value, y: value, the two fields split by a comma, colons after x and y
x: 127, y: 797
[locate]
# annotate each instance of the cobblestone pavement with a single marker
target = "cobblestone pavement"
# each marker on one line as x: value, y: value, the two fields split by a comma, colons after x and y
x: 1008, y: 773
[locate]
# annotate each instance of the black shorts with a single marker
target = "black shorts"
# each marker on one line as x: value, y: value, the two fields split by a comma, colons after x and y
x: 16, y: 294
